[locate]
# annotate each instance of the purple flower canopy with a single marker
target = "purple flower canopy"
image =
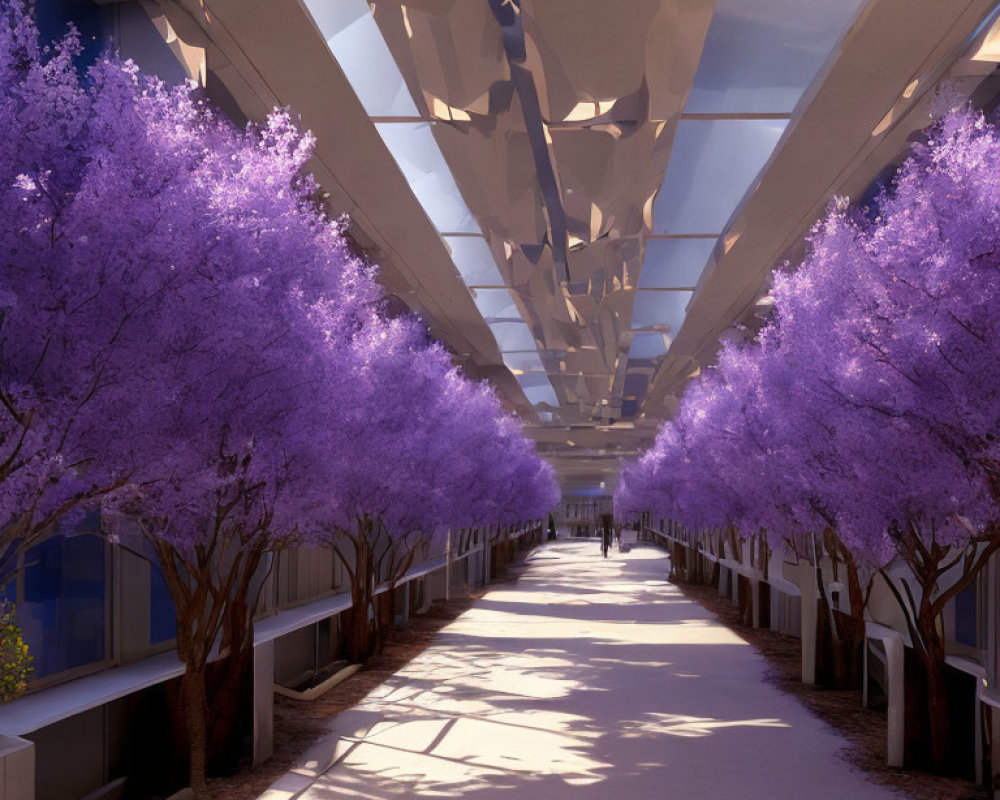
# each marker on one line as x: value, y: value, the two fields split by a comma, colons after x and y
x: 870, y: 402
x: 182, y: 330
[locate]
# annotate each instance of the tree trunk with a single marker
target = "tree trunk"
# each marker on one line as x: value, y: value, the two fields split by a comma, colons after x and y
x: 385, y: 616
x: 388, y: 620
x: 357, y: 632
x: 228, y: 677
x: 227, y: 708
x: 938, y: 711
x: 852, y: 629
x: 840, y: 636
x: 193, y: 693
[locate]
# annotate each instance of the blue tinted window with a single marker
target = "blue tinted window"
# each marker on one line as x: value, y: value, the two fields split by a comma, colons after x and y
x: 63, y: 614
x: 53, y: 16
x: 966, y: 617
x: 162, y: 615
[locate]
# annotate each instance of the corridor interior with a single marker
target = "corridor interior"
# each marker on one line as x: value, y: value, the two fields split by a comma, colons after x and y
x: 585, y: 678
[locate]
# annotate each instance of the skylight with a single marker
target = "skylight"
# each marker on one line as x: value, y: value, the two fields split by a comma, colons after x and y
x: 355, y: 40
x: 654, y: 308
x: 761, y: 55
x: 524, y: 361
x: 647, y: 345
x: 513, y: 335
x: 415, y: 150
x: 674, y: 263
x: 712, y: 164
x: 496, y: 304
x: 474, y: 260
x: 353, y: 37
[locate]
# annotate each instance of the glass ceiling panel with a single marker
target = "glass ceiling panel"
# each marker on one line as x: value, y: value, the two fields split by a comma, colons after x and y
x: 537, y: 388
x: 532, y: 379
x: 648, y: 345
x: 496, y: 304
x: 419, y: 158
x: 660, y: 308
x: 526, y: 361
x: 513, y: 335
x: 761, y: 55
x: 674, y: 263
x: 353, y: 37
x: 541, y: 394
x: 712, y: 165
x: 474, y: 260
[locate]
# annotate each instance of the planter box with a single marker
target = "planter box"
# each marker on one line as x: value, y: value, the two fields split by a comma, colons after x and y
x: 323, y: 688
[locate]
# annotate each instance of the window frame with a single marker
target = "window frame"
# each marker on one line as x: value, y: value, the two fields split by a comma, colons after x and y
x: 110, y: 657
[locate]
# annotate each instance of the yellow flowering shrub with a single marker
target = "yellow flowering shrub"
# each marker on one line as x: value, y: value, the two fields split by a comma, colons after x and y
x: 15, y: 660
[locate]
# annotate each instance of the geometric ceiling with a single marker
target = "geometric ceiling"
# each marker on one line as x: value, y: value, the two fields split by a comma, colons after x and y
x: 580, y: 196
x: 581, y: 163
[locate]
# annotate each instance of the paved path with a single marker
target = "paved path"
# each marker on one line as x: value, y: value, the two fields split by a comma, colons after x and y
x: 588, y: 679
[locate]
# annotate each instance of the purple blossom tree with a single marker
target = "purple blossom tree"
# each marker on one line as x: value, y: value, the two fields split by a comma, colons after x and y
x: 419, y: 448
x: 186, y: 338
x: 163, y: 277
x: 872, y: 396
x: 910, y: 367
x: 49, y: 462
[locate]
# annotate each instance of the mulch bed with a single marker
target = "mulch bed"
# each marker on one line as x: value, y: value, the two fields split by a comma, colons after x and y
x: 298, y: 724
x: 865, y: 729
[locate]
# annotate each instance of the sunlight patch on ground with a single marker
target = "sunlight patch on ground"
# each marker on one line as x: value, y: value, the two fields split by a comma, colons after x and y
x: 690, y: 727
x: 488, y: 624
x: 588, y: 680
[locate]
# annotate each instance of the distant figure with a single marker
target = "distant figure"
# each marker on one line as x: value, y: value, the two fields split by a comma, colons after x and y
x: 552, y: 528
x: 607, y: 533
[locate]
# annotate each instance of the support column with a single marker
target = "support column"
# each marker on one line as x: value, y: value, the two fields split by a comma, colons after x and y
x: 895, y: 677
x: 897, y: 700
x: 263, y: 702
x: 994, y: 717
x: 803, y: 575
x: 17, y: 768
x: 447, y: 567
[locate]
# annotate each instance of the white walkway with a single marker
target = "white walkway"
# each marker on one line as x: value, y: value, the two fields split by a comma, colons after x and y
x: 589, y: 679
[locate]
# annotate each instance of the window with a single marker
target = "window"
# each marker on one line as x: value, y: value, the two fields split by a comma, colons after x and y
x: 162, y: 614
x: 63, y: 608
x: 968, y: 616
x: 53, y: 16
